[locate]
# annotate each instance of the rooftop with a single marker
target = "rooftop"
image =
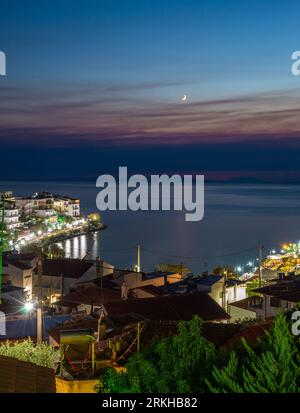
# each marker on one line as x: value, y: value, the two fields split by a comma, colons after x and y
x: 66, y: 267
x: 26, y: 327
x: 91, y: 295
x: 156, y: 274
x: 174, y: 307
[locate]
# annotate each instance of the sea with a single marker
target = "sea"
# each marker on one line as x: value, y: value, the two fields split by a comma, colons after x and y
x: 237, y: 218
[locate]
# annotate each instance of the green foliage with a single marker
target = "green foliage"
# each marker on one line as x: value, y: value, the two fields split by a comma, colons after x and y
x: 54, y: 251
x: 187, y: 363
x: 274, y: 368
x: 226, y: 270
x: 176, y: 268
x: 251, y: 286
x: 41, y: 354
x: 176, y: 364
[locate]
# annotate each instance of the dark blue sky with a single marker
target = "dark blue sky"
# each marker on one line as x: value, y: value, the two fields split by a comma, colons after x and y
x: 92, y: 85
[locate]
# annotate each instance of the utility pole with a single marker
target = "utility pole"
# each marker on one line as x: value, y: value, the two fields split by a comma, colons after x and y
x: 181, y: 269
x: 39, y: 317
x: 99, y: 272
x: 2, y: 244
x: 138, y: 267
x: 261, y: 247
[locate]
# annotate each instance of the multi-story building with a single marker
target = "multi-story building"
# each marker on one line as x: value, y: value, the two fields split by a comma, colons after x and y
x: 67, y: 206
x: 25, y: 206
x: 11, y: 215
x: 7, y: 194
x: 44, y: 204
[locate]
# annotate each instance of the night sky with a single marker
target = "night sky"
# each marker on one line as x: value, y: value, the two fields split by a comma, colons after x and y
x: 93, y: 85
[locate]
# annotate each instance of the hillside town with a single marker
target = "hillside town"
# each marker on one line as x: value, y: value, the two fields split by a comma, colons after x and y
x: 98, y: 315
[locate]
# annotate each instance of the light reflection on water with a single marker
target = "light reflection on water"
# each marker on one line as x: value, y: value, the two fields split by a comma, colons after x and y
x: 237, y: 217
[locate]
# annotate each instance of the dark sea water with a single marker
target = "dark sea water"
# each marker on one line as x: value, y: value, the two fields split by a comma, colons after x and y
x: 237, y: 218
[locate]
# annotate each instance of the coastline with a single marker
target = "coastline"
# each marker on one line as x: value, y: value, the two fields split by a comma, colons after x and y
x: 53, y: 239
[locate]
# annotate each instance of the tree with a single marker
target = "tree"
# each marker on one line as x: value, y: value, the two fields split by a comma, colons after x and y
x: 176, y: 268
x: 175, y: 364
x: 41, y: 354
x: 274, y: 368
x: 225, y: 270
x: 54, y: 251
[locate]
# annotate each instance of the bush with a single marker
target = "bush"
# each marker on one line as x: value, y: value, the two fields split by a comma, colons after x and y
x: 40, y: 354
x: 176, y: 364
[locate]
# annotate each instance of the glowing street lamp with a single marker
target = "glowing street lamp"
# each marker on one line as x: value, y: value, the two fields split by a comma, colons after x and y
x: 28, y: 306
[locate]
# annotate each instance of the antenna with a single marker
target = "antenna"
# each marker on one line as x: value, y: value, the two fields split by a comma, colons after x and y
x: 138, y: 267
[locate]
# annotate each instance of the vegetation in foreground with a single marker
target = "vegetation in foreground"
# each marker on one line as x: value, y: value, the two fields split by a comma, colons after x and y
x: 188, y: 363
x: 40, y: 354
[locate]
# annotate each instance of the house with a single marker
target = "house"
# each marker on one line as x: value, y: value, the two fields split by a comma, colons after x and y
x: 270, y: 299
x: 133, y: 279
x: 19, y: 269
x: 222, y: 290
x: 246, y: 308
x: 58, y: 275
x: 88, y: 299
x: 174, y: 307
x: 158, y: 317
x: 283, y: 295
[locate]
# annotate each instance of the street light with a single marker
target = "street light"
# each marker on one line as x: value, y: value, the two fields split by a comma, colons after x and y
x: 28, y: 306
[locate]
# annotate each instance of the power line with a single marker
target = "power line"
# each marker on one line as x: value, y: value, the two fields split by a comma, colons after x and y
x: 199, y: 257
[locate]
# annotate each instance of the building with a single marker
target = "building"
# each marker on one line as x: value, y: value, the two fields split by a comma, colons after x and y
x: 270, y: 299
x: 67, y: 206
x: 25, y: 206
x: 222, y: 290
x: 133, y: 280
x: 88, y: 299
x: 58, y: 275
x: 19, y: 270
x: 245, y: 309
x: 6, y: 194
x: 171, y: 308
x: 11, y: 215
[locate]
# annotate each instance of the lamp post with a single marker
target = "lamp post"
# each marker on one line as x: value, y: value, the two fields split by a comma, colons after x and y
x: 39, y: 316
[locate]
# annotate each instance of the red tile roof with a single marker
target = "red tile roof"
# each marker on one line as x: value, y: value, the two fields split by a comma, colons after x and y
x: 174, y: 307
x: 66, y: 267
x: 91, y: 295
x: 251, y: 334
x: 289, y: 291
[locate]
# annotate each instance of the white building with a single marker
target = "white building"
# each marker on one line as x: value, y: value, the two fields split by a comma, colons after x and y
x: 67, y: 206
x: 11, y: 215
